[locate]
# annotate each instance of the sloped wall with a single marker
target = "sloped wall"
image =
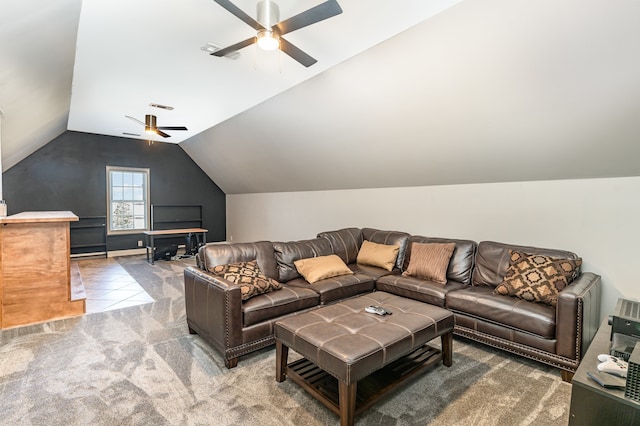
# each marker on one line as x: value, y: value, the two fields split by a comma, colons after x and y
x: 69, y: 173
x: 599, y: 219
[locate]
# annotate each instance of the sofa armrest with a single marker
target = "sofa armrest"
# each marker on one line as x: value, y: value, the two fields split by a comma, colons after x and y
x: 578, y: 315
x: 214, y: 308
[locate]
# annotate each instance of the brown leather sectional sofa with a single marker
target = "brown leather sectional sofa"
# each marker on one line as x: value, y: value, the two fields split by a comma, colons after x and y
x: 556, y: 335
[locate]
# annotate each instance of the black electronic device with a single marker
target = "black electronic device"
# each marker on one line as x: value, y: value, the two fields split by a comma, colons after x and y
x: 192, y: 244
x: 166, y: 253
x: 622, y: 345
x: 626, y: 318
x: 632, y: 389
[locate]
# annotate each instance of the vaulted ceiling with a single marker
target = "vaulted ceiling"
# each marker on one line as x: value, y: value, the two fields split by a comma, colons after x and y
x: 405, y: 93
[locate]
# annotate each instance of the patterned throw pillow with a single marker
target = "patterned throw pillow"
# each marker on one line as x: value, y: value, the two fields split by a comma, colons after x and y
x: 430, y: 261
x: 248, y: 277
x: 537, y: 278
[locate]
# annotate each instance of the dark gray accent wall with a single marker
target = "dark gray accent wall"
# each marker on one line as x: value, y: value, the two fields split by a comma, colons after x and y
x: 69, y: 173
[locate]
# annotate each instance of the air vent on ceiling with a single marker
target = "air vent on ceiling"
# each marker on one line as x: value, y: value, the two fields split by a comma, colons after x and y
x: 130, y: 134
x: 170, y: 108
x: 211, y: 47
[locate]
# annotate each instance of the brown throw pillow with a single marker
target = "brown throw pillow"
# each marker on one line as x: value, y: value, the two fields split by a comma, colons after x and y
x: 430, y: 261
x: 537, y: 278
x: 381, y: 255
x: 248, y: 277
x: 322, y: 267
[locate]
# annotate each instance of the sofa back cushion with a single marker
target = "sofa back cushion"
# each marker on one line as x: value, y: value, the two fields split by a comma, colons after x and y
x: 462, y: 260
x: 213, y: 254
x: 344, y: 242
x: 286, y: 253
x: 492, y: 260
x: 392, y: 238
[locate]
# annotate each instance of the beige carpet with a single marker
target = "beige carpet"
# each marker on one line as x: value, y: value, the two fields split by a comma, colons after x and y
x: 140, y: 366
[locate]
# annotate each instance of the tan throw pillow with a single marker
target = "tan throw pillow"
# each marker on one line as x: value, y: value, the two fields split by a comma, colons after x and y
x: 537, y: 278
x: 248, y: 277
x: 322, y: 267
x: 380, y: 255
x: 430, y: 261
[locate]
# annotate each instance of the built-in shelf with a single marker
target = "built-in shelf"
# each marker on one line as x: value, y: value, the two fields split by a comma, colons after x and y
x: 89, y: 236
x: 175, y: 216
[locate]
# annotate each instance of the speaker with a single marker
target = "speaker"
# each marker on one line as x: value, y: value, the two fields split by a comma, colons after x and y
x: 632, y: 389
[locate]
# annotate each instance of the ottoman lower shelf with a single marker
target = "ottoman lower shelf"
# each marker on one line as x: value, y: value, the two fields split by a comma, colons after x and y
x: 324, y: 387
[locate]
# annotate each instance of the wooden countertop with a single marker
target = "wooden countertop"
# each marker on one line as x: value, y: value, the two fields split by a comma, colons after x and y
x: 46, y: 216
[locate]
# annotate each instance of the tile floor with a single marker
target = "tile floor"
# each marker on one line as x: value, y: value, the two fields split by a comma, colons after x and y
x: 109, y: 286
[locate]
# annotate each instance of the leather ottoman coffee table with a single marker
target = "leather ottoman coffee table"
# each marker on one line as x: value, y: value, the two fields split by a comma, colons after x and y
x: 352, y: 357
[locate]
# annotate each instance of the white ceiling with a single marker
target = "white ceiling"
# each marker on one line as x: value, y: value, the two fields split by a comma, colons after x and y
x: 484, y: 91
x: 130, y: 54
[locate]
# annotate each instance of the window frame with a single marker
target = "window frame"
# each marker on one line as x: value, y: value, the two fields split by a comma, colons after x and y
x: 146, y: 172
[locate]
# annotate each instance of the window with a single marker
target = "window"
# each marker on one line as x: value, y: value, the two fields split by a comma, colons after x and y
x: 128, y: 198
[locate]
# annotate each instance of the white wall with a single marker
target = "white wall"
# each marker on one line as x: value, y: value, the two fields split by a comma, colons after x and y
x: 599, y: 219
x: 1, y: 117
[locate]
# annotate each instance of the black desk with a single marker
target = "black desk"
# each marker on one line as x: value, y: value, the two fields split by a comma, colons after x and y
x: 591, y: 404
x: 151, y: 247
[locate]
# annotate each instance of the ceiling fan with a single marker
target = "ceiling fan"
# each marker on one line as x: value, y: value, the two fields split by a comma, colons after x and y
x: 270, y: 31
x: 151, y: 127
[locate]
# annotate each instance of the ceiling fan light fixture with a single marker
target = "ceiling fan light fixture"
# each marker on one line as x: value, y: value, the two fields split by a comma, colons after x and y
x: 268, y: 40
x: 150, y: 124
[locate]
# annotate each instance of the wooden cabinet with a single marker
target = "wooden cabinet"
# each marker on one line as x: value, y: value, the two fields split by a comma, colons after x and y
x: 35, y: 268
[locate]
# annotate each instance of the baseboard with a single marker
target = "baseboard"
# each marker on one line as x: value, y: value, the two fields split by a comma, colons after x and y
x: 129, y: 252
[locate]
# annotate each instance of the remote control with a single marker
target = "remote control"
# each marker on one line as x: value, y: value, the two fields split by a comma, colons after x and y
x: 378, y: 310
x: 612, y: 365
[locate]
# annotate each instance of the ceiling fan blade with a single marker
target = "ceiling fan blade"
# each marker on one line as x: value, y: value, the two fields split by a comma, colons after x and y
x: 161, y: 133
x: 296, y: 53
x: 315, y: 14
x: 234, y: 47
x: 238, y: 13
x: 171, y: 128
x: 135, y: 119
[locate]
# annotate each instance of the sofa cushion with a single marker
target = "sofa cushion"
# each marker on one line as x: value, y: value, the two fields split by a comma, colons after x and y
x: 394, y: 238
x: 418, y: 288
x: 430, y: 261
x: 344, y: 242
x: 275, y: 304
x: 462, y: 260
x: 214, y: 254
x: 287, y: 253
x: 337, y: 288
x: 517, y: 314
x: 372, y: 271
x: 248, y: 277
x: 322, y: 267
x: 537, y: 278
x: 492, y: 260
x: 381, y: 255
